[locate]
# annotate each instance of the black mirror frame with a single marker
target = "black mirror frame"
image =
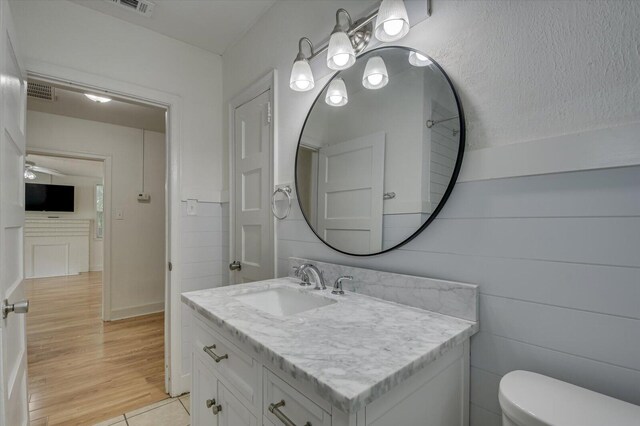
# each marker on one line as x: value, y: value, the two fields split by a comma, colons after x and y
x: 454, y: 176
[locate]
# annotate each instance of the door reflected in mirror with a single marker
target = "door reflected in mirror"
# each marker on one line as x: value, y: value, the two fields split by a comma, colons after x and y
x: 374, y: 169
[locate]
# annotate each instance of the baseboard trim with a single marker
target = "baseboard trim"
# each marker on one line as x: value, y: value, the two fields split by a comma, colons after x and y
x: 595, y: 149
x: 136, y: 311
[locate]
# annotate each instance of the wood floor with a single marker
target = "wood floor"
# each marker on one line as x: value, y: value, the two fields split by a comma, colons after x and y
x: 83, y: 370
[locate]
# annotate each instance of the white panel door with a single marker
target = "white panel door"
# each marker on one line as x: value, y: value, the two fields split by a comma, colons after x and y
x: 13, y: 345
x: 253, y: 233
x: 350, y: 194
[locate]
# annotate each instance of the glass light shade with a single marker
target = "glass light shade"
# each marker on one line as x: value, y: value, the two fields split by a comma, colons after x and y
x: 418, y: 60
x: 98, y: 99
x: 337, y: 93
x: 392, y: 22
x: 301, y: 76
x: 375, y: 74
x: 340, y: 54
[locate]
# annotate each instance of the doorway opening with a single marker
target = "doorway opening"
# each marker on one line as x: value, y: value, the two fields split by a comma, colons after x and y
x: 95, y: 261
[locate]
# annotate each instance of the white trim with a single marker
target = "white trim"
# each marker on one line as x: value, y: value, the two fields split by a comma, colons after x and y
x: 136, y: 311
x: 266, y: 83
x: 174, y: 379
x: 106, y: 238
x: 594, y: 149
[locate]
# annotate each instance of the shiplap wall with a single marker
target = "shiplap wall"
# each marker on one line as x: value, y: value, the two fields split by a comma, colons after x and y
x: 205, y: 256
x: 557, y: 259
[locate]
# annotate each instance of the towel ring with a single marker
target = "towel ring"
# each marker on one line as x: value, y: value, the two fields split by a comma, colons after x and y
x: 286, y: 190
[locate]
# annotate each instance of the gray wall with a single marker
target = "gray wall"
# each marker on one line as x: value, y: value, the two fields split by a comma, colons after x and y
x: 557, y: 259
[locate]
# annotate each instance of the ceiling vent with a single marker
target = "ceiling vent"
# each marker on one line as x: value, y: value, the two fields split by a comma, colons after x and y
x: 41, y: 91
x: 143, y: 7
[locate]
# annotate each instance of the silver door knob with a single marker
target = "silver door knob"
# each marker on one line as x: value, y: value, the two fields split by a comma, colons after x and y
x: 235, y: 266
x: 21, y: 307
x: 211, y: 403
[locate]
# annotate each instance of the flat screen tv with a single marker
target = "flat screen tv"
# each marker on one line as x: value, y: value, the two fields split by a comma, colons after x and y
x: 48, y: 198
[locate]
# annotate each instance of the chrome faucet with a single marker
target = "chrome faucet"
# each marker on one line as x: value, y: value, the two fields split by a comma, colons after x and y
x: 337, y: 286
x: 315, y: 272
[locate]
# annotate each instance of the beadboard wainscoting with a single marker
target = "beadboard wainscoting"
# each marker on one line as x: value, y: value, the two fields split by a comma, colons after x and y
x: 205, y: 257
x: 556, y: 260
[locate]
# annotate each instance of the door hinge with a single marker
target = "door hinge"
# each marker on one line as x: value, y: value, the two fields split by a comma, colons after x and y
x: 269, y: 112
x: 170, y: 266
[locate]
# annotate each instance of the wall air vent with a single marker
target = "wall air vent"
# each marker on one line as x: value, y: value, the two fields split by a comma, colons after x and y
x: 143, y: 7
x: 41, y: 91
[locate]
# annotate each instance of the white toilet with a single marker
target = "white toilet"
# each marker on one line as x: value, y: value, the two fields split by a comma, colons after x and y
x: 530, y: 399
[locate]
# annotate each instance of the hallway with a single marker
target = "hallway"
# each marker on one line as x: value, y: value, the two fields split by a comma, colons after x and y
x: 82, y: 370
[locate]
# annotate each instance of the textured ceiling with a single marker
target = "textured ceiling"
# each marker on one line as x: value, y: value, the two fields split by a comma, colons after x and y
x: 212, y: 25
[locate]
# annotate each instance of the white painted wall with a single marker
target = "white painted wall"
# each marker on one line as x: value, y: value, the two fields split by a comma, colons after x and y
x: 62, y: 33
x: 553, y: 254
x: 137, y: 245
x: 84, y: 208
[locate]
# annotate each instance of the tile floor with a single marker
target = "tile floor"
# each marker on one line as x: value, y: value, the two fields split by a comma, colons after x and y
x: 168, y: 412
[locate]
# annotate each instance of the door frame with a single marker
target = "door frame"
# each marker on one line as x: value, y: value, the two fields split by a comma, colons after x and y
x: 106, y: 238
x: 264, y: 83
x: 176, y: 380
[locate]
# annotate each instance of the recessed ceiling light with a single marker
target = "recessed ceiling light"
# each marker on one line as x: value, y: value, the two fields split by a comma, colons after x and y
x: 98, y: 99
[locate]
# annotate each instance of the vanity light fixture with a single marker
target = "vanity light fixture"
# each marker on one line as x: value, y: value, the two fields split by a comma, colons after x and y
x: 392, y: 22
x: 340, y: 54
x: 418, y: 60
x: 375, y: 74
x: 301, y: 76
x: 98, y: 99
x: 337, y: 93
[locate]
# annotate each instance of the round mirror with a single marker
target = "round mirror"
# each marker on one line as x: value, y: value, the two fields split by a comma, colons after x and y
x: 379, y: 152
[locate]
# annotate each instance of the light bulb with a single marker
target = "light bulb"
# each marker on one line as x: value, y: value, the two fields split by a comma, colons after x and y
x: 375, y: 74
x: 302, y: 85
x: 419, y: 60
x: 375, y: 79
x: 341, y: 59
x: 392, y: 22
x: 393, y: 27
x: 336, y: 93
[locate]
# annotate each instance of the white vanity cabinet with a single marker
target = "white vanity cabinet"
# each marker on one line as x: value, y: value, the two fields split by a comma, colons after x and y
x: 234, y: 384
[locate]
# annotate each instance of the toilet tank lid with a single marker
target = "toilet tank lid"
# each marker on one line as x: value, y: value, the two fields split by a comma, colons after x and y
x: 532, y: 399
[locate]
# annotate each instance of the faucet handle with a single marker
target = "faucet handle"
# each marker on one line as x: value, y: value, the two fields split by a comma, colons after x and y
x: 337, y: 286
x: 304, y: 278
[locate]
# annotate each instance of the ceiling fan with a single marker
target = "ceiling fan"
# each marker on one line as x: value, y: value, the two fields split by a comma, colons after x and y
x: 30, y: 168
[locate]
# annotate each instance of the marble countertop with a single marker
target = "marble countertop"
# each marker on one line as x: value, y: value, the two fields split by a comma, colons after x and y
x: 350, y: 352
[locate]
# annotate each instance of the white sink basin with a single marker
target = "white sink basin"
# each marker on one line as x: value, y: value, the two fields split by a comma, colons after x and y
x: 283, y: 301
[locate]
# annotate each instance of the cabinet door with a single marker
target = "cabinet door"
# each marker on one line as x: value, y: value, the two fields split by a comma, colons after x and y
x: 204, y: 389
x: 233, y: 413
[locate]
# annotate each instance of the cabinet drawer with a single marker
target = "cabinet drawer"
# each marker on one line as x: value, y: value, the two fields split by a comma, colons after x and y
x: 238, y: 369
x: 297, y: 408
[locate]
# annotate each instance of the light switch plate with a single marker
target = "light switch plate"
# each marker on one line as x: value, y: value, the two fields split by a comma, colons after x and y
x: 119, y: 214
x: 192, y: 207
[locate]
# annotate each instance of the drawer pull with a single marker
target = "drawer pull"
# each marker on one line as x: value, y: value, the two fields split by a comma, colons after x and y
x: 275, y: 409
x: 211, y: 403
x: 216, y: 357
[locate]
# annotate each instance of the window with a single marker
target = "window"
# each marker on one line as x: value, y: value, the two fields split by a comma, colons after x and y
x: 99, y: 210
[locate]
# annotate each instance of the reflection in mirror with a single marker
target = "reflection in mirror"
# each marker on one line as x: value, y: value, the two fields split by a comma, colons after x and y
x: 374, y: 165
